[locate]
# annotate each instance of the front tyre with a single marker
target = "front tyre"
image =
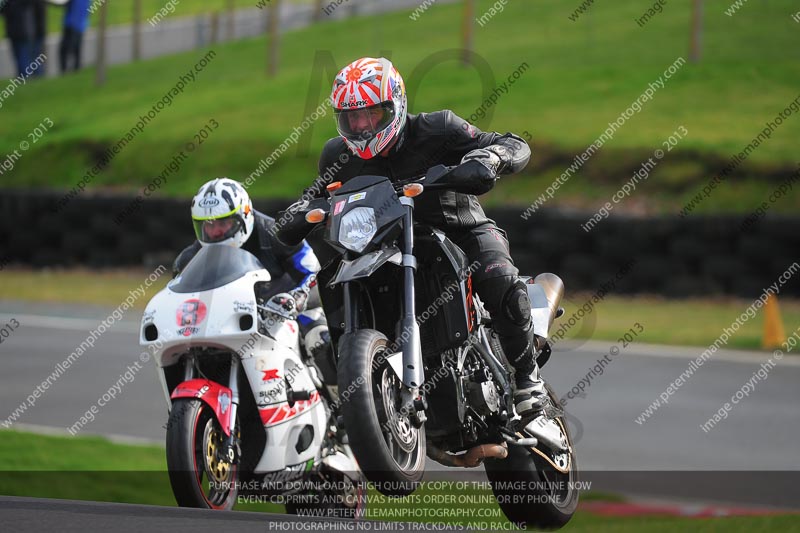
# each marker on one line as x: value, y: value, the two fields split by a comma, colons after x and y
x: 198, y: 476
x: 389, y: 449
x: 543, y: 482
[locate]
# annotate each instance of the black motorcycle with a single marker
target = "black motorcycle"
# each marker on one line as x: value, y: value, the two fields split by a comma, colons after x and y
x: 420, y: 370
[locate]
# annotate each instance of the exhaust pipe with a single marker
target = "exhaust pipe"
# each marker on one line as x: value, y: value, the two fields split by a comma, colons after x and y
x: 473, y: 458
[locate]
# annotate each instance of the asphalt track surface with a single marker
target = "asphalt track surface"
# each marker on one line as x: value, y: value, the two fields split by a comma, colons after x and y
x: 67, y: 516
x: 750, y: 458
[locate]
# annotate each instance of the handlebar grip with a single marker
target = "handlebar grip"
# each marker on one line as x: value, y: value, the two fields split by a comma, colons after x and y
x: 470, y: 177
x: 291, y: 228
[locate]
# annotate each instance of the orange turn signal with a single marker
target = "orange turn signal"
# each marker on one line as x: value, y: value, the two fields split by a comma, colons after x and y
x: 412, y: 190
x: 315, y: 216
x: 333, y: 186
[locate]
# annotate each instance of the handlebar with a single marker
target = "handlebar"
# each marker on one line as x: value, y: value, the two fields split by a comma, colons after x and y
x: 469, y: 178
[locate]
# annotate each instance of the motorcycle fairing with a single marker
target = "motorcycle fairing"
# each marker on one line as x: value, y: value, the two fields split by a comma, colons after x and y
x: 220, y: 328
x: 376, y: 192
x: 366, y: 265
x: 270, y: 375
x: 443, y: 287
x: 275, y: 414
x: 216, y: 396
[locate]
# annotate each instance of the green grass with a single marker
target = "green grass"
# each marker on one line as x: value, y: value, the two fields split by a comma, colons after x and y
x: 121, y: 12
x: 92, y: 468
x: 86, y: 468
x: 581, y: 75
x: 77, y: 286
x: 691, y: 322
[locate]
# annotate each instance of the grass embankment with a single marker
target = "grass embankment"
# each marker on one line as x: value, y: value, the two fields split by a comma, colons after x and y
x: 693, y: 322
x: 91, y: 468
x: 580, y: 76
x: 122, y: 12
x: 77, y: 286
x: 690, y: 322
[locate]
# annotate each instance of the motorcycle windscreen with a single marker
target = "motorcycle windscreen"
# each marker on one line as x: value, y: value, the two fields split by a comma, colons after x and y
x: 214, y: 266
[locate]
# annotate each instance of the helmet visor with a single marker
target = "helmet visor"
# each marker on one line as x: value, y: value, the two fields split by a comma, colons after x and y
x: 363, y: 124
x: 212, y: 230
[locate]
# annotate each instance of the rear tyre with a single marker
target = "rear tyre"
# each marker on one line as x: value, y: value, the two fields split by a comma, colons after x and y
x: 549, y: 494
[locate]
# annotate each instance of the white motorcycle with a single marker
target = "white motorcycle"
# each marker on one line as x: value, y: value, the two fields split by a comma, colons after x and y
x: 249, y: 415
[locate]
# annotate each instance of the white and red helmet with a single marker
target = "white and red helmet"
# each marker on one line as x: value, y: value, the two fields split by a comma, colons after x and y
x: 369, y: 101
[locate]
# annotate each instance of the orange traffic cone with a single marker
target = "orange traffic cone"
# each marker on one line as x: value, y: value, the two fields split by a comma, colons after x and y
x: 774, y: 334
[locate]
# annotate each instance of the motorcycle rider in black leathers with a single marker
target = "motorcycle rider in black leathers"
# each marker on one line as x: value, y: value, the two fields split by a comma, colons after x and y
x: 379, y: 138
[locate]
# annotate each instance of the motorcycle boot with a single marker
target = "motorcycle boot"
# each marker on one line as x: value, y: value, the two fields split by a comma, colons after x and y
x: 532, y: 402
x: 513, y: 324
x: 530, y: 395
x: 318, y: 352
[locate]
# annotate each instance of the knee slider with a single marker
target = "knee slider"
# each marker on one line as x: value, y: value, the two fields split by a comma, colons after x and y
x: 517, y: 305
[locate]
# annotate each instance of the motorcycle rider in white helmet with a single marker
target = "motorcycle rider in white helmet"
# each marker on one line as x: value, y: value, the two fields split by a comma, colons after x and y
x: 223, y: 214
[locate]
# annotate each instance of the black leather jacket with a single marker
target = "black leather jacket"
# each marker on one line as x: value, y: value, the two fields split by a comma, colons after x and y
x: 429, y: 139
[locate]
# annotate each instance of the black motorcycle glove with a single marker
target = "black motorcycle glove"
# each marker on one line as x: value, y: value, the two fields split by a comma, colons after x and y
x: 486, y: 157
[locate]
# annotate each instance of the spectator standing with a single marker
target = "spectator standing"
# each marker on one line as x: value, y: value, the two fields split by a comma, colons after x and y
x: 25, y: 28
x: 76, y: 20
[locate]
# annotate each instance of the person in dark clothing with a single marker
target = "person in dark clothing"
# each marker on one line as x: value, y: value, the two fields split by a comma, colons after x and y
x: 39, y: 33
x: 223, y: 214
x: 26, y: 29
x: 370, y: 103
x: 76, y: 20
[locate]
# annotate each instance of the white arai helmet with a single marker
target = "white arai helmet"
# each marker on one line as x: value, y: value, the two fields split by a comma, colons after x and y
x: 222, y: 213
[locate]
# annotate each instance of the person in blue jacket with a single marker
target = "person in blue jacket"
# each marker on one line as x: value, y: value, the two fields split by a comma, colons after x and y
x: 76, y: 20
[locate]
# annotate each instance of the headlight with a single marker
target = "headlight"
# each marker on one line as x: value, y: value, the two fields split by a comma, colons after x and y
x: 357, y: 228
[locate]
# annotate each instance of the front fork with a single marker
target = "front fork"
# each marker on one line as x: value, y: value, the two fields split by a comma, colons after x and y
x: 230, y: 450
x: 413, y: 376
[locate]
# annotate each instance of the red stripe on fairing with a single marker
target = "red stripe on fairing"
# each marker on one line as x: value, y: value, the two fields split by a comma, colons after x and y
x: 278, y: 414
